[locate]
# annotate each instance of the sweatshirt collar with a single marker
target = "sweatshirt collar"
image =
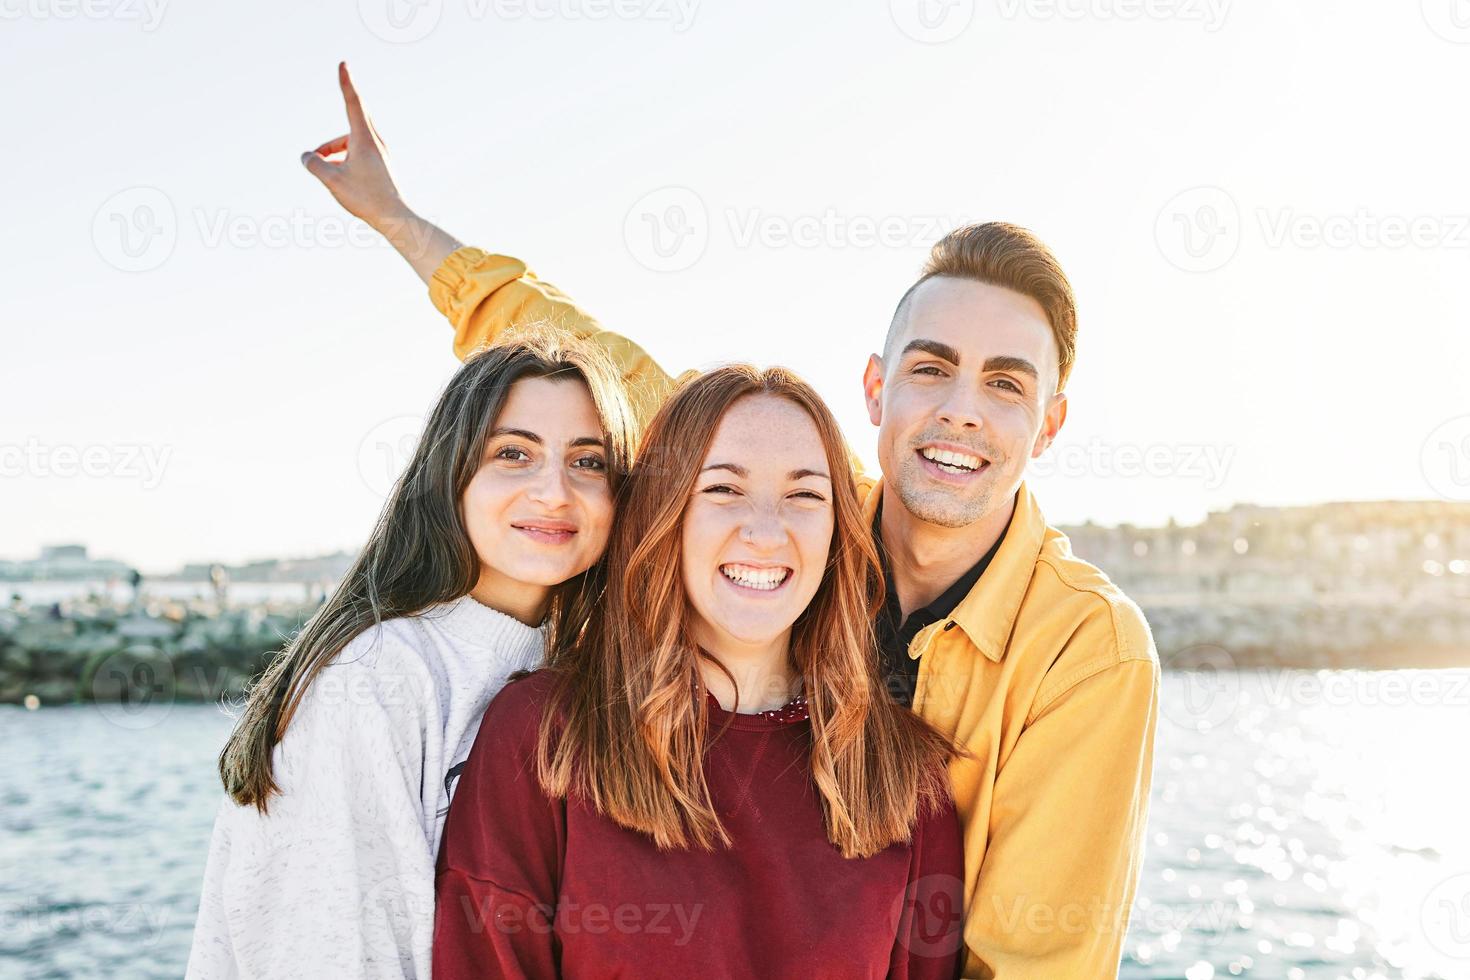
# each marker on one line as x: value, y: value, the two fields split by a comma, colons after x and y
x: 478, y: 624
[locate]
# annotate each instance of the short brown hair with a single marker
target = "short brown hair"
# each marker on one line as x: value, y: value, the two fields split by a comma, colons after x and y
x: 1012, y: 257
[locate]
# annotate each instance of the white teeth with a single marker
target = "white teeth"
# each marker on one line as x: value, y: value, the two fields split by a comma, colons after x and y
x: 762, y: 579
x: 962, y: 462
x: 956, y: 462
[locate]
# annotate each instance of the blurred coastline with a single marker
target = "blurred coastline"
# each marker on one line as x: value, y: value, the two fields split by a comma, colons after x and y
x: 1341, y: 586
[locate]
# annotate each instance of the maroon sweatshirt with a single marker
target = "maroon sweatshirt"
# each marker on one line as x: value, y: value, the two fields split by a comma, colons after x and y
x: 530, y: 886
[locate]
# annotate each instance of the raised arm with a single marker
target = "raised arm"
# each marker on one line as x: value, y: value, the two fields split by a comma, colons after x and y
x: 485, y: 297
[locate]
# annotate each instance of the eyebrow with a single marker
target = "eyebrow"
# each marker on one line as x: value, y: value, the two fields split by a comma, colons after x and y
x: 530, y: 436
x: 741, y: 471
x: 1003, y: 362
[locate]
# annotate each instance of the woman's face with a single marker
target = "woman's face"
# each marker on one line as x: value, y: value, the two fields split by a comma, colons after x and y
x: 759, y: 526
x: 540, y: 507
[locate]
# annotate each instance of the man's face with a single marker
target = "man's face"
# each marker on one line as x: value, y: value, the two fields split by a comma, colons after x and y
x: 965, y: 396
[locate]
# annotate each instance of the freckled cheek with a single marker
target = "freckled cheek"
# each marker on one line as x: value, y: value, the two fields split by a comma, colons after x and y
x: 813, y: 537
x: 704, y: 530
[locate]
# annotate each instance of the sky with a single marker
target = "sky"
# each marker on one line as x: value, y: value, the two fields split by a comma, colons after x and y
x: 1263, y: 209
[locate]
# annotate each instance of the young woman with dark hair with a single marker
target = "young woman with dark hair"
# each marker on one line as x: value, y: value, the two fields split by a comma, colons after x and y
x: 342, y: 764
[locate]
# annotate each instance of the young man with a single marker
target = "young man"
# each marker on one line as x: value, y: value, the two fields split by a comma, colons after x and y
x: 1030, y: 658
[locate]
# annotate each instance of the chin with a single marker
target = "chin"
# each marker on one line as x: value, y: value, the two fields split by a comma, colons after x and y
x: 753, y: 634
x: 533, y: 573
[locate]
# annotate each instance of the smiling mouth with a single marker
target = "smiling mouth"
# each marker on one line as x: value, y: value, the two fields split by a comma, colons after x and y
x: 754, y: 578
x: 954, y: 463
x: 547, y: 533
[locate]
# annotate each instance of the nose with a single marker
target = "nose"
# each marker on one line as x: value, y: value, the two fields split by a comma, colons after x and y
x: 552, y: 488
x: 763, y: 529
x: 961, y: 410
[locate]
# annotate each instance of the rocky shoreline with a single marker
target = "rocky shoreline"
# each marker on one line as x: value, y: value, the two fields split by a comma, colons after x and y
x: 206, y: 650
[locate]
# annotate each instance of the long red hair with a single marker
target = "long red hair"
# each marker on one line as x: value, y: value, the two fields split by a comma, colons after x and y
x: 622, y: 730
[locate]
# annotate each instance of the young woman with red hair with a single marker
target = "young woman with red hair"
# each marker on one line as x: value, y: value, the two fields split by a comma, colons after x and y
x: 710, y: 780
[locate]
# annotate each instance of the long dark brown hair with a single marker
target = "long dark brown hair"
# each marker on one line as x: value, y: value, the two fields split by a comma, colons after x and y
x: 621, y: 729
x: 419, y: 552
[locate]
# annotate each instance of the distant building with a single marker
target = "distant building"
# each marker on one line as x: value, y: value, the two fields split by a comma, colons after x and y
x: 323, y: 568
x: 63, y: 562
x: 1392, y: 551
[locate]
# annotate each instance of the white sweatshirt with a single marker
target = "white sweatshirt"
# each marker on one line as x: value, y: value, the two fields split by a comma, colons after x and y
x: 338, y: 879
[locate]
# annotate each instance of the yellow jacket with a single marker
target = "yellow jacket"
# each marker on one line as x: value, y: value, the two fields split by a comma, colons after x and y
x: 1050, y: 682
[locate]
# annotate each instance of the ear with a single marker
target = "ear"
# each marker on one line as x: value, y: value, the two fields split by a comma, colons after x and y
x: 873, y: 388
x: 1051, y: 423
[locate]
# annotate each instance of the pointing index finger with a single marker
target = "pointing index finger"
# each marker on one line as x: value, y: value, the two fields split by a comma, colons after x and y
x: 356, y: 118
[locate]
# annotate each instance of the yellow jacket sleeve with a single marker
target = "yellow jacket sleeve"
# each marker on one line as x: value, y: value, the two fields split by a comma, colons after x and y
x: 487, y: 297
x: 1070, y: 804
